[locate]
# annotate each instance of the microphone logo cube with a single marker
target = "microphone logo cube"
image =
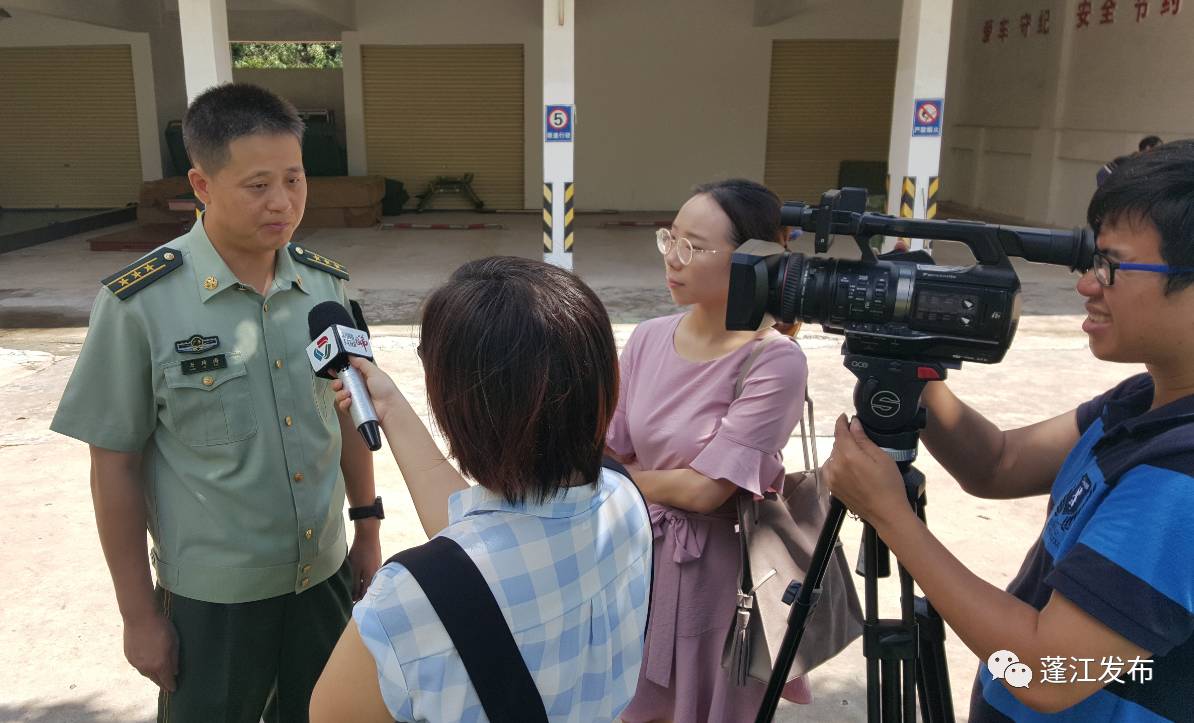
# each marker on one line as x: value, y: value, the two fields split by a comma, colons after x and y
x: 355, y: 342
x: 323, y: 348
x: 331, y: 349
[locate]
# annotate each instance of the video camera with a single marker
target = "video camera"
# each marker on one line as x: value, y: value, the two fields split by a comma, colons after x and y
x: 906, y: 320
x: 896, y: 306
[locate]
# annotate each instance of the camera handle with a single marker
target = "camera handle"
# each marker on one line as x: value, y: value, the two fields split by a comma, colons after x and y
x: 905, y: 656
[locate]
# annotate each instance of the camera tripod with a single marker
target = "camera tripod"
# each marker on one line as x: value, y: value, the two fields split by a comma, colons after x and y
x: 905, y: 656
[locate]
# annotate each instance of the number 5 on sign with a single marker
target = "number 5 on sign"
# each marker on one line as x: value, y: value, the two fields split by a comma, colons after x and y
x: 559, y: 123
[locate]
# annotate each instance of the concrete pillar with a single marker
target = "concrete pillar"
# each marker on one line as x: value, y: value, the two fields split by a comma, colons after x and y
x: 559, y: 127
x: 207, y: 58
x: 915, y: 149
x: 354, y: 104
x: 1044, y: 179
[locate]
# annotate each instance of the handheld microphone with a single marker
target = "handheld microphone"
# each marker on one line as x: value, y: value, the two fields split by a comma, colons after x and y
x: 334, y: 341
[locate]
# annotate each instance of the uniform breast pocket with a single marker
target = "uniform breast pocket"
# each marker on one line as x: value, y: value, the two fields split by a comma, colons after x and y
x: 325, y: 398
x: 210, y: 407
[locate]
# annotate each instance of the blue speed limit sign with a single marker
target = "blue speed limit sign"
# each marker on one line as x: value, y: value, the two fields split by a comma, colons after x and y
x: 558, y: 125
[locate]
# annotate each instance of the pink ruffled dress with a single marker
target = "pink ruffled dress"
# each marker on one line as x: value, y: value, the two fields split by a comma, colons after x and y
x: 673, y: 413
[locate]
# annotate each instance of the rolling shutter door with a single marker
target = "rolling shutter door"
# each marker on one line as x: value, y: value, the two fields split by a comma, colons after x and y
x: 446, y: 111
x: 830, y: 102
x: 68, y: 129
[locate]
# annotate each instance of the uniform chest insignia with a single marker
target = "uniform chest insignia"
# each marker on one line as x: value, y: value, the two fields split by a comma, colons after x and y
x: 196, y: 344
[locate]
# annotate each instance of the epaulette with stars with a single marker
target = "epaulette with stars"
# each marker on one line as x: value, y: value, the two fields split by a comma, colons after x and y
x: 143, y: 272
x: 318, y: 261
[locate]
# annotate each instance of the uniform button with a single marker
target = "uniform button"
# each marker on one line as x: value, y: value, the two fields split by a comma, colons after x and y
x: 289, y: 422
x: 306, y: 569
x: 306, y: 581
x: 309, y: 533
x: 278, y: 363
x: 208, y: 381
x: 265, y: 308
x: 298, y: 476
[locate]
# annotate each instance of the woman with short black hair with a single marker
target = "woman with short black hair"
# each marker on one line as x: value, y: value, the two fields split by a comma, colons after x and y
x: 522, y: 379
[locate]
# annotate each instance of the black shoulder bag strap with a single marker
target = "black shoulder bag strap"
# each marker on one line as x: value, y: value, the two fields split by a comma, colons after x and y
x: 466, y: 607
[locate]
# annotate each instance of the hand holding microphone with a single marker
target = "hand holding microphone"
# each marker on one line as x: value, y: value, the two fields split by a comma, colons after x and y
x: 335, y: 341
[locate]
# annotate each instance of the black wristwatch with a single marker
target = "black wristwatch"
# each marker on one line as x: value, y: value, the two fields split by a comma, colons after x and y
x: 373, y: 510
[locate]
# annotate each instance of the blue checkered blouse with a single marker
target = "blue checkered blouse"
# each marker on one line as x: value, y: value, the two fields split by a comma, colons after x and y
x: 571, y: 576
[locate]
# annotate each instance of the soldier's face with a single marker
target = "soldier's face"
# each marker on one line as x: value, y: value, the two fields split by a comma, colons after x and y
x: 256, y: 200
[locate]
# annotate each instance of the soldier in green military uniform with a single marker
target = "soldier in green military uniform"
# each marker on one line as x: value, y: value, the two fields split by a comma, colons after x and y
x: 208, y: 428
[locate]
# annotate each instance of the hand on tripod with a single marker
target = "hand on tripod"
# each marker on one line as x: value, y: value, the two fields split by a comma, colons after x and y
x: 863, y: 477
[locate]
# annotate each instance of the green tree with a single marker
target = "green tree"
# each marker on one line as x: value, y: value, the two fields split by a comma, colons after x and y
x: 287, y: 55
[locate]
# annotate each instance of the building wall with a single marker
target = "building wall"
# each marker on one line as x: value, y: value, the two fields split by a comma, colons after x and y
x: 669, y: 93
x: 27, y: 29
x: 1029, y: 120
x: 306, y: 88
x: 673, y: 93
x: 449, y: 22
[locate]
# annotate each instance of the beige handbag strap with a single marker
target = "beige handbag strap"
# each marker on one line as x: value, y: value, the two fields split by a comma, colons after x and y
x: 750, y: 361
x: 808, y: 433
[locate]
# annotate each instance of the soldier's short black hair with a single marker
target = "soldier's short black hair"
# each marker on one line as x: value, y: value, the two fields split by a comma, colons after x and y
x: 226, y: 112
x: 1157, y: 187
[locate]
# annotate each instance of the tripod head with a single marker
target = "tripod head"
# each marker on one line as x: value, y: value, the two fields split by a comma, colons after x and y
x: 887, y: 399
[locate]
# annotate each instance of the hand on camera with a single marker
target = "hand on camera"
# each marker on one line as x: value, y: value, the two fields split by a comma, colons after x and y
x: 382, y: 390
x: 862, y: 476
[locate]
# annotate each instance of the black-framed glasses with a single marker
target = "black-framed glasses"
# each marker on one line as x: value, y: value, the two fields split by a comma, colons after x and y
x: 1105, y: 267
x: 666, y: 241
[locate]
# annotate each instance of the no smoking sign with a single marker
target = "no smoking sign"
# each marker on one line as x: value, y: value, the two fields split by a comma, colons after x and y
x: 926, y: 120
x: 558, y: 126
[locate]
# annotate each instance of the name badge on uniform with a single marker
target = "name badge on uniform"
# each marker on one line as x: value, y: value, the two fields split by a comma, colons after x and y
x: 197, y: 344
x: 204, y: 364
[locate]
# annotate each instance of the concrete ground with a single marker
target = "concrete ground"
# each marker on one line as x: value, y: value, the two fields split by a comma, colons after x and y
x: 60, y: 634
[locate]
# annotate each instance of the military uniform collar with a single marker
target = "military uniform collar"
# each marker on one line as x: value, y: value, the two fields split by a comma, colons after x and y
x: 213, y: 275
x: 286, y: 272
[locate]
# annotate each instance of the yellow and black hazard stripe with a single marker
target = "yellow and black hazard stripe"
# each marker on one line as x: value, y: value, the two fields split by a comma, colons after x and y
x: 931, y: 203
x: 547, y: 218
x: 908, y: 197
x: 907, y: 201
x: 142, y: 273
x: 568, y: 216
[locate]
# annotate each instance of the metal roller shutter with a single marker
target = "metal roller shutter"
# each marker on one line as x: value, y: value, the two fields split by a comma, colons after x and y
x: 68, y: 127
x: 446, y: 111
x: 830, y: 102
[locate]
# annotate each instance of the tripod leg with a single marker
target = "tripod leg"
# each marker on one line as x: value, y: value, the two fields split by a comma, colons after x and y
x: 891, y: 691
x: 909, y: 667
x: 936, y: 698
x: 867, y: 565
x: 932, y: 670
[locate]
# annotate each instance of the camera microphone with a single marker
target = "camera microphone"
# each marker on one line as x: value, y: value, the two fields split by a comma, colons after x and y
x: 334, y: 341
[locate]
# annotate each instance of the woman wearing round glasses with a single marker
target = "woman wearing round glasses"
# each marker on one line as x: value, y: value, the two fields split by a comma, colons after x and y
x: 691, y: 446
